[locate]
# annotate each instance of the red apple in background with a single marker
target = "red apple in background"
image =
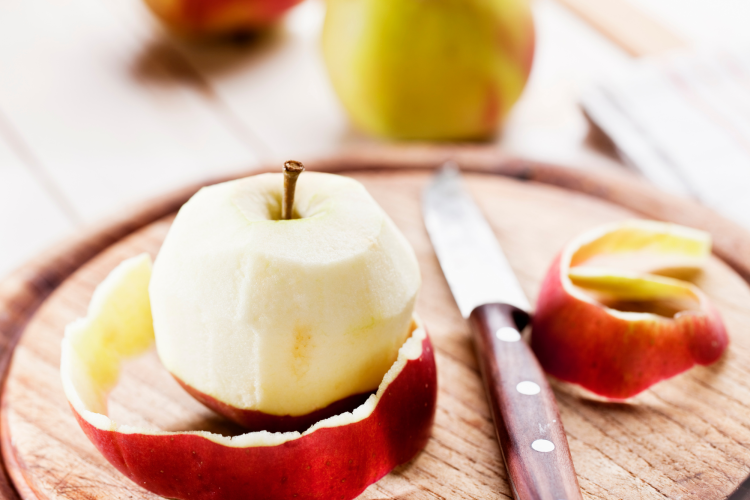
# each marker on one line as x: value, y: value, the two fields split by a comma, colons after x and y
x: 335, y: 459
x: 606, y: 321
x: 211, y: 18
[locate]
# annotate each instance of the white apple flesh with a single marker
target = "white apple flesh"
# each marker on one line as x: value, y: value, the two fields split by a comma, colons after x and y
x: 282, y: 317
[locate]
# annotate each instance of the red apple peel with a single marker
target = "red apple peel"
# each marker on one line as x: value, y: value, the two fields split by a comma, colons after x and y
x: 613, y: 353
x: 327, y: 463
x: 337, y: 458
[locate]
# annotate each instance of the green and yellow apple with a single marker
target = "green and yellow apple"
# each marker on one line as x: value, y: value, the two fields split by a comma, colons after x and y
x: 336, y: 458
x: 428, y: 70
x: 610, y: 319
x: 211, y: 18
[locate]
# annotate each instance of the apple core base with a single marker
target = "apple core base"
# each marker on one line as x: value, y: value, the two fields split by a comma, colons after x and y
x: 254, y: 420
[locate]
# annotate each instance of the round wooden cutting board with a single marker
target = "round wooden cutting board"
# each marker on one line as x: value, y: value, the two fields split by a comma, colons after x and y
x: 686, y: 438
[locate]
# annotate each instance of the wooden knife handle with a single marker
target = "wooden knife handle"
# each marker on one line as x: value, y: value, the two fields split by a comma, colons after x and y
x: 527, y: 421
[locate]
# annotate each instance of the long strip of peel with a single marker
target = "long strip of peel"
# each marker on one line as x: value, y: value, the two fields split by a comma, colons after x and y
x: 118, y: 326
x: 607, y: 321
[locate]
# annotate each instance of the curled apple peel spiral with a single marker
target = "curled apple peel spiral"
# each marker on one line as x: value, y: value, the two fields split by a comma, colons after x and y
x: 610, y: 318
x: 302, y: 325
x: 336, y: 458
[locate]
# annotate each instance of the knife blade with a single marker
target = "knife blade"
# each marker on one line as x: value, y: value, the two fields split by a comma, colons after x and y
x: 470, y: 256
x: 524, y: 410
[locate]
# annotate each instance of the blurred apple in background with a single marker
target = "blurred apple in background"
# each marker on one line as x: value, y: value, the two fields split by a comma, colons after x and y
x: 429, y: 70
x: 212, y: 18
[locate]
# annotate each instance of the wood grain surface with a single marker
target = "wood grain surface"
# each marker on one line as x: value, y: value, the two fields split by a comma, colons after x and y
x: 687, y: 438
x: 626, y: 25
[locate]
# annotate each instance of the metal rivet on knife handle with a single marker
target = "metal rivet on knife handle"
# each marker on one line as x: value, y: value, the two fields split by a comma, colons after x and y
x: 543, y: 445
x: 508, y: 334
x: 528, y: 388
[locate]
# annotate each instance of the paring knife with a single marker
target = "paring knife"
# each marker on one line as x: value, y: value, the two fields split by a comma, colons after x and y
x: 527, y: 421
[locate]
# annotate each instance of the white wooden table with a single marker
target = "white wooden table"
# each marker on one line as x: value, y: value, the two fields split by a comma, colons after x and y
x: 99, y: 108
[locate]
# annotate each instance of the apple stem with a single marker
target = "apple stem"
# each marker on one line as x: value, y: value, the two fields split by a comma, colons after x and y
x: 292, y: 169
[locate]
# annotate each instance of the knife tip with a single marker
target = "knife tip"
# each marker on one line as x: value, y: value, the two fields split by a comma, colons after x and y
x: 445, y: 180
x: 449, y: 167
